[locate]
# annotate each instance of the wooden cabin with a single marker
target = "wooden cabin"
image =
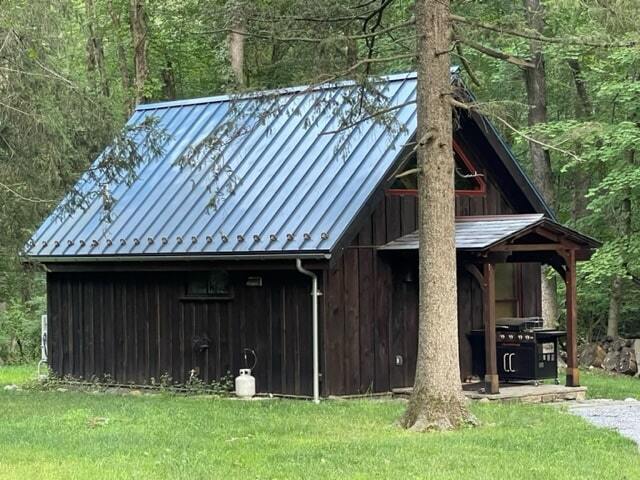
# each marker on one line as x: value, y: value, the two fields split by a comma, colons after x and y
x: 171, y: 287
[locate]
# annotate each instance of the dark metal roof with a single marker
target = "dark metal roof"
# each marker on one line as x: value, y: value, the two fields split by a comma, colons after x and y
x: 298, y: 189
x: 299, y: 186
x: 481, y: 233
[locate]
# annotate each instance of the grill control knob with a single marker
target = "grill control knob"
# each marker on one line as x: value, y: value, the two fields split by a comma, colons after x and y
x: 527, y: 337
x: 502, y: 336
x: 510, y: 337
x: 519, y: 337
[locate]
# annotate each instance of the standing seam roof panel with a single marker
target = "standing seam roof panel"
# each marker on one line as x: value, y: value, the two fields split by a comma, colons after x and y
x: 126, y: 198
x: 260, y: 178
x: 294, y: 178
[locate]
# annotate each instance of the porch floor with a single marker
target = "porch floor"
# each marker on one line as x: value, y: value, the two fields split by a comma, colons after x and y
x: 515, y: 392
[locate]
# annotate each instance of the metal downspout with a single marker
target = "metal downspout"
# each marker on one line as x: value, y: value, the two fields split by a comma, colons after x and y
x: 314, y: 309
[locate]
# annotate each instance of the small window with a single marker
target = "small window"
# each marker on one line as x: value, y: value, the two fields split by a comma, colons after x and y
x: 215, y: 283
x: 468, y: 181
x: 506, y: 291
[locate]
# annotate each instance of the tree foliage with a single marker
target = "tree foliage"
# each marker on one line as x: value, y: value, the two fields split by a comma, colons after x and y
x: 67, y: 85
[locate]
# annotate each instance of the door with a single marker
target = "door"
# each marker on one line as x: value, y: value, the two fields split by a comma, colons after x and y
x: 404, y: 325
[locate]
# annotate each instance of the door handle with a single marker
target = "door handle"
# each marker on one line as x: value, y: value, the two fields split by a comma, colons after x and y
x: 507, y: 363
x: 511, y: 369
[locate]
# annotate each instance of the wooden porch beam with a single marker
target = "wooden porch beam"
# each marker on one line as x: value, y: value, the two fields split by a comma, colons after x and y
x: 491, y: 382
x: 548, y: 235
x: 556, y: 264
x: 573, y: 374
x: 532, y: 247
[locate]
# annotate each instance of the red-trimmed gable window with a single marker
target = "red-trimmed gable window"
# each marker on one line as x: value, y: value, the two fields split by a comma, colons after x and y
x: 468, y: 180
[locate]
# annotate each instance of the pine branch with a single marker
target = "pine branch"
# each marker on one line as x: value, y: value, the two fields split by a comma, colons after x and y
x: 269, y: 36
x: 356, y: 16
x: 533, y: 35
x: 477, y: 108
x: 384, y: 111
x: 22, y: 197
x: 500, y: 55
x: 466, y: 65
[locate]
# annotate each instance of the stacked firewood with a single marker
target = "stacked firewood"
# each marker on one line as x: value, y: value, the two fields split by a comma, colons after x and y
x: 619, y: 355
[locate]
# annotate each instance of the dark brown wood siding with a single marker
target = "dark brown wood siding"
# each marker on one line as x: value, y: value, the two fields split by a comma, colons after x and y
x: 371, y: 298
x: 137, y: 326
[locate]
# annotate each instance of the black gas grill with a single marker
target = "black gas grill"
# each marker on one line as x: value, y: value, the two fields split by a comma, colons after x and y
x: 524, y: 350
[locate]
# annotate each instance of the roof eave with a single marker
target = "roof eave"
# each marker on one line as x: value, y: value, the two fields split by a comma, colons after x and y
x: 262, y: 256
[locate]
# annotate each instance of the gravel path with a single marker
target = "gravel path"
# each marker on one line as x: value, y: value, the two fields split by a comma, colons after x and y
x: 623, y: 416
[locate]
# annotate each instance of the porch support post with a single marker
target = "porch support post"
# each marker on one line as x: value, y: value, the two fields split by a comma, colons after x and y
x: 491, y: 383
x: 573, y: 375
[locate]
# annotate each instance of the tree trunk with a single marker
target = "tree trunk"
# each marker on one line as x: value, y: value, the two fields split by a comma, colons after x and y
x: 583, y: 111
x: 125, y: 76
x: 615, y: 301
x: 437, y: 401
x: 236, y: 40
x: 540, y: 159
x: 95, y: 52
x: 549, y: 295
x: 352, y: 52
x: 138, y: 26
x: 168, y: 81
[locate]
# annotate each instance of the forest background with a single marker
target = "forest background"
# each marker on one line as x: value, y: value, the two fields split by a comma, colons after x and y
x: 72, y: 71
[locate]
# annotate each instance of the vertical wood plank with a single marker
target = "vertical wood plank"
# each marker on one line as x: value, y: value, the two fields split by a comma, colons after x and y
x: 465, y: 322
x: 351, y: 321
x: 397, y: 328
x: 367, y: 308
x: 334, y: 340
x: 411, y: 328
x: 382, y: 303
x: 178, y: 290
x: 393, y: 217
x: 276, y: 319
x: 89, y: 331
x: 290, y: 331
x: 408, y: 214
x: 110, y: 328
x: 131, y: 321
x: 305, y: 337
x: 138, y: 373
x: 165, y: 332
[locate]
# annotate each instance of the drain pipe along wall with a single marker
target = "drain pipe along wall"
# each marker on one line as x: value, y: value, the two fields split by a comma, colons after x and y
x: 314, y: 313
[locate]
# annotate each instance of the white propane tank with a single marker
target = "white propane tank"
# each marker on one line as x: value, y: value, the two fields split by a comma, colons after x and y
x: 245, y: 384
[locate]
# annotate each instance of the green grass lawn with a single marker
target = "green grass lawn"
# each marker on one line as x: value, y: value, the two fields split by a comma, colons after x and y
x: 80, y: 435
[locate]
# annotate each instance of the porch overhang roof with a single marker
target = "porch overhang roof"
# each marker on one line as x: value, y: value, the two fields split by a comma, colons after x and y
x: 505, y: 233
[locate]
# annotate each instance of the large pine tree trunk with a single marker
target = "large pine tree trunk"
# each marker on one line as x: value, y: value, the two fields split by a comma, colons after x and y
x: 584, y: 111
x: 121, y: 54
x: 169, y: 88
x: 236, y: 40
x: 615, y: 302
x: 615, y: 298
x: 540, y: 159
x: 437, y: 401
x: 138, y: 25
x: 95, y: 52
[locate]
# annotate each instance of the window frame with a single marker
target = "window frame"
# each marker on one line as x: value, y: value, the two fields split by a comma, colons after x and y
x: 517, y: 289
x: 481, y: 191
x: 190, y: 296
